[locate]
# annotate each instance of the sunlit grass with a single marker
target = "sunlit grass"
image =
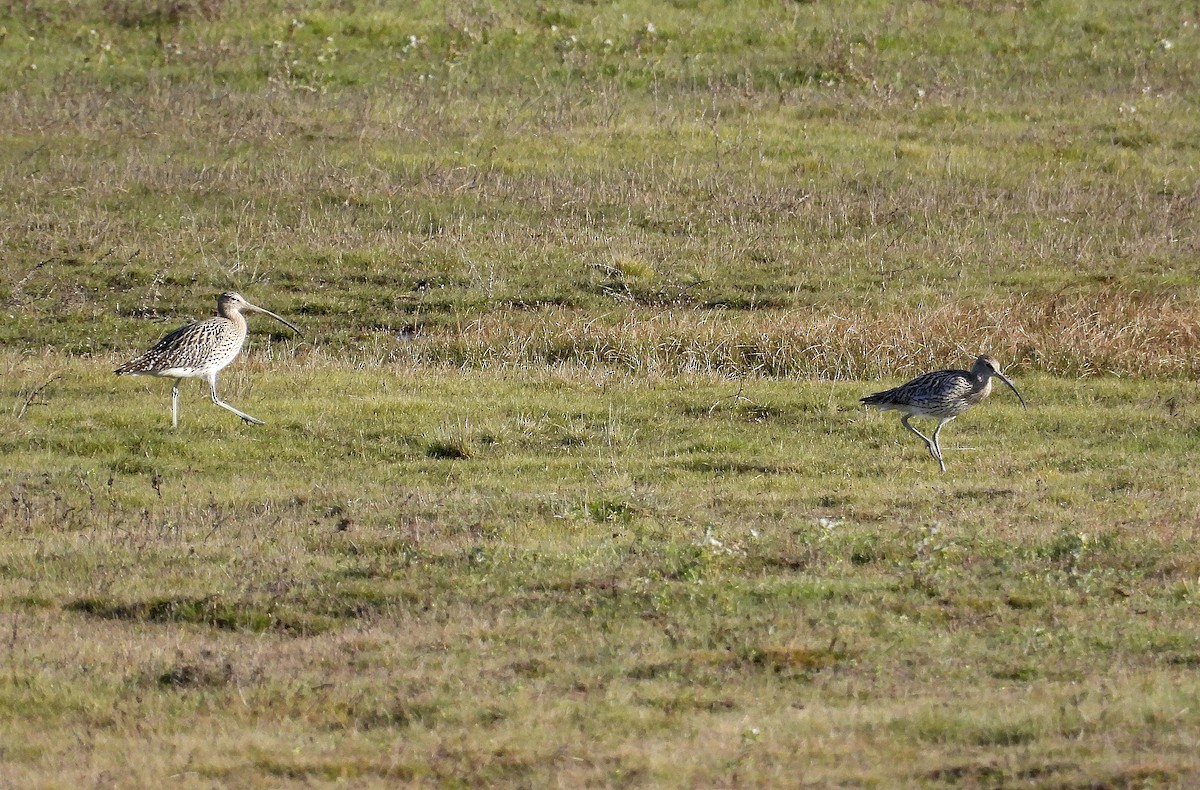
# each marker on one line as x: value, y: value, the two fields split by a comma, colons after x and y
x: 691, y: 553
x: 567, y: 481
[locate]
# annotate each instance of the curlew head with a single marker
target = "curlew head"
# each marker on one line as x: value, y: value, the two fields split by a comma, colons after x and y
x: 986, y: 366
x: 231, y: 302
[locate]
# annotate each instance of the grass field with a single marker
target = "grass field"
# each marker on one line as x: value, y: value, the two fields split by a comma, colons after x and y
x: 566, y: 482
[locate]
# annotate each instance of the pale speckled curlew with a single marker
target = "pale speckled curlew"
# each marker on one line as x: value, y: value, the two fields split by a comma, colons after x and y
x: 942, y: 396
x: 201, y: 350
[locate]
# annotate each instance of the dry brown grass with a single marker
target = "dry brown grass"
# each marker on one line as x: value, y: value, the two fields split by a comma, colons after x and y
x: 1111, y: 333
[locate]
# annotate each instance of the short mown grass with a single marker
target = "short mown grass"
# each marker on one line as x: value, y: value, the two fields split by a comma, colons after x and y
x: 612, y: 559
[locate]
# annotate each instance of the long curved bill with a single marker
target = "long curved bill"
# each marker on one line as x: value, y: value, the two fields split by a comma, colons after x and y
x: 1012, y: 387
x: 294, y: 328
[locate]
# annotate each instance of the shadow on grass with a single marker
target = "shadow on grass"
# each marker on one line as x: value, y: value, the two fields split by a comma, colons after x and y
x: 211, y: 611
x: 800, y: 661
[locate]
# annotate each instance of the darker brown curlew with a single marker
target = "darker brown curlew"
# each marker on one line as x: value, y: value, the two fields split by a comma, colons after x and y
x: 942, y: 396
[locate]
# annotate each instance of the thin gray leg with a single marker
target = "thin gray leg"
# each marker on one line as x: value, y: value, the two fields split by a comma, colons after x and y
x: 212, y: 386
x: 929, y: 445
x: 936, y: 444
x: 175, y: 404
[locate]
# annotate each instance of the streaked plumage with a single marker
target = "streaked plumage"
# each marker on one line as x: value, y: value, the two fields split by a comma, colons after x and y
x: 942, y: 396
x: 201, y: 350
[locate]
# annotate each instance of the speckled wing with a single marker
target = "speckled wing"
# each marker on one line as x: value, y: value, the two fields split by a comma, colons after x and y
x: 187, y: 347
x: 936, y: 393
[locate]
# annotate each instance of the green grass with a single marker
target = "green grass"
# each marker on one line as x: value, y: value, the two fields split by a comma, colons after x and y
x: 606, y: 559
x: 566, y: 482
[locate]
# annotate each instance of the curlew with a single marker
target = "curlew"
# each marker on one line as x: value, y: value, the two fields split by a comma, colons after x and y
x: 942, y: 396
x: 201, y: 350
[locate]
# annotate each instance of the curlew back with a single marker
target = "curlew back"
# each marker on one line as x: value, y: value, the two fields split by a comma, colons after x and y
x: 941, y: 393
x: 213, y: 342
